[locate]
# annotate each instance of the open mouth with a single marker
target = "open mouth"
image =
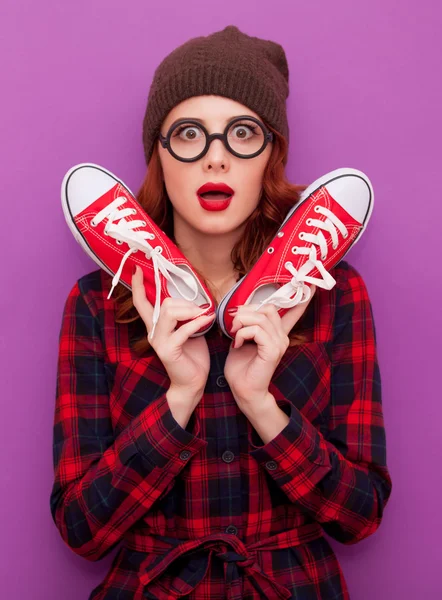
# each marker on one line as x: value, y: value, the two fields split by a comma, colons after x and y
x: 215, y: 195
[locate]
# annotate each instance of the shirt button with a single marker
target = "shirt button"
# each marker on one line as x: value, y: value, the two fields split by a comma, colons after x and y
x: 184, y: 455
x: 271, y: 465
x: 221, y: 381
x: 228, y: 456
x: 232, y: 529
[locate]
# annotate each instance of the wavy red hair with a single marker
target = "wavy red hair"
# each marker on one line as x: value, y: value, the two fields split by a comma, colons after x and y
x: 277, y: 198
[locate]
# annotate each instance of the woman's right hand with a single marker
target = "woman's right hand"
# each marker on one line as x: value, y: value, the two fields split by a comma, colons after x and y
x: 186, y: 360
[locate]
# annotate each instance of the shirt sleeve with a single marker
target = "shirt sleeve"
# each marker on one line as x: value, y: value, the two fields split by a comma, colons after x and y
x: 339, y: 478
x: 104, y: 483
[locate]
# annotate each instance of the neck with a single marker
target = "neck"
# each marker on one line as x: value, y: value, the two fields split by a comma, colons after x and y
x: 208, y: 252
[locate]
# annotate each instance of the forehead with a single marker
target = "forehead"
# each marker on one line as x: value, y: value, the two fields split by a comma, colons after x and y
x: 214, y: 110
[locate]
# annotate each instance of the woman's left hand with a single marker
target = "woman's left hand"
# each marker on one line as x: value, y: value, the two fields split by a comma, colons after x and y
x: 249, y: 367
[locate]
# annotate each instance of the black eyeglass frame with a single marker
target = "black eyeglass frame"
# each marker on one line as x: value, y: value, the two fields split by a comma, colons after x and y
x: 165, y: 141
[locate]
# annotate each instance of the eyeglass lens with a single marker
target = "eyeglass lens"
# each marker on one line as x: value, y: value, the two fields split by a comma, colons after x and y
x: 245, y: 137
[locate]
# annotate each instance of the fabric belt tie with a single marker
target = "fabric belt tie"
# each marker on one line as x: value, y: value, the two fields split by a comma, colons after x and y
x: 193, y: 559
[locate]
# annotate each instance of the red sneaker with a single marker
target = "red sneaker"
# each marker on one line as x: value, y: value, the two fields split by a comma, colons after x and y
x: 316, y: 234
x: 115, y: 231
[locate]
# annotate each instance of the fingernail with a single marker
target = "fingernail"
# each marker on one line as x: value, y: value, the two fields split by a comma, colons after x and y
x: 201, y: 313
x: 232, y: 311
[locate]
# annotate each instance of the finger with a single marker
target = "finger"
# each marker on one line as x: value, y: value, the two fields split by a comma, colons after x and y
x: 182, y: 334
x: 139, y: 298
x: 267, y: 348
x: 172, y: 310
x: 250, y: 317
x: 274, y: 317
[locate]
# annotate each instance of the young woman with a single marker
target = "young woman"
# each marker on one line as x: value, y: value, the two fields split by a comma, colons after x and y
x: 216, y: 483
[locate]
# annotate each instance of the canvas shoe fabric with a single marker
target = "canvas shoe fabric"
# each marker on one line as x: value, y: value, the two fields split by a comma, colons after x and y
x: 116, y: 232
x: 329, y: 218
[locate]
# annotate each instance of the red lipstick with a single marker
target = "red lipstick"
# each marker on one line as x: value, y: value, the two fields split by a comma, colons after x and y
x: 215, y: 201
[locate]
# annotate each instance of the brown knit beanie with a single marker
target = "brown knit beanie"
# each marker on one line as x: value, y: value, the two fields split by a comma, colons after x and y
x: 227, y: 63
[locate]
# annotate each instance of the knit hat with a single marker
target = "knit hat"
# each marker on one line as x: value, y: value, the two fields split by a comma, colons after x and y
x: 227, y: 63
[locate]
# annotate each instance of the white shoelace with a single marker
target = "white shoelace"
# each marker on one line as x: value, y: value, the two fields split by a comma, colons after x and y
x: 122, y: 230
x: 283, y: 297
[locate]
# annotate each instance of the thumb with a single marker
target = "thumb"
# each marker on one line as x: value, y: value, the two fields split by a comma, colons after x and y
x: 139, y: 297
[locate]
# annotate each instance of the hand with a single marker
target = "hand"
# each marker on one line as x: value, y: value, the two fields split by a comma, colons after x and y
x: 249, y: 367
x: 186, y: 360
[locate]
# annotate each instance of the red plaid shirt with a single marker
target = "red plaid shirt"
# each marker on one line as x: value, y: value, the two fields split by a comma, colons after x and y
x: 210, y: 511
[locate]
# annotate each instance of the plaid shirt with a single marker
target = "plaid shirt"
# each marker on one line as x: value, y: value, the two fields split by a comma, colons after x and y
x: 210, y: 511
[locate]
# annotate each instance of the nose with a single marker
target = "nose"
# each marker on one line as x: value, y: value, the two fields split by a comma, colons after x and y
x: 217, y: 155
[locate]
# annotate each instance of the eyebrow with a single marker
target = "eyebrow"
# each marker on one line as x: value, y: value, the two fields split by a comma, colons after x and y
x: 203, y: 121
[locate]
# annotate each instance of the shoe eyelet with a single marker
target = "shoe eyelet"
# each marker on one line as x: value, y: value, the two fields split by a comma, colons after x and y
x: 295, y: 250
x: 270, y: 250
x: 316, y: 209
x: 159, y: 248
x: 119, y: 242
x: 334, y: 247
x: 301, y: 235
x: 345, y: 236
x: 288, y: 264
x: 93, y: 224
x: 309, y: 221
x: 134, y: 211
x: 143, y: 223
x: 105, y: 232
x: 323, y: 257
x: 280, y: 234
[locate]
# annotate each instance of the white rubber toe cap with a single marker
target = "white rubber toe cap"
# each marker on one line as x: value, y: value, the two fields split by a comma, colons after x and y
x: 353, y: 193
x: 83, y: 184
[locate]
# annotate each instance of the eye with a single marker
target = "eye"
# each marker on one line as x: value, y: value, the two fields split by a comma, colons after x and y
x: 242, y: 129
x: 191, y: 132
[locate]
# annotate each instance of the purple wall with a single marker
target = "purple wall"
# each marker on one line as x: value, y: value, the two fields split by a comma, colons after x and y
x: 365, y: 93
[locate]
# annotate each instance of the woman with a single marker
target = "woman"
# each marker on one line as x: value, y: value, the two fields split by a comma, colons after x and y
x: 218, y: 484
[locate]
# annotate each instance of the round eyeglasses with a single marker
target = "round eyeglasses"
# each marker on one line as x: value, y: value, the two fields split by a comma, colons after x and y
x: 188, y: 140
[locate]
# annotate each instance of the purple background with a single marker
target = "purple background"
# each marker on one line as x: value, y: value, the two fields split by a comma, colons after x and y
x: 365, y: 93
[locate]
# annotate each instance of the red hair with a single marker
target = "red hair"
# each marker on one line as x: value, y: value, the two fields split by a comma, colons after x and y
x: 278, y: 197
